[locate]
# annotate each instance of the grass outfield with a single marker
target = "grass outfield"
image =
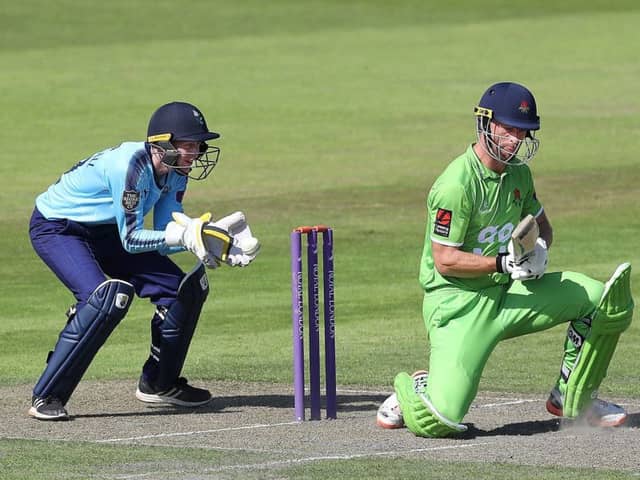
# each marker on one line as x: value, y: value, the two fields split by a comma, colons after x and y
x: 335, y: 112
x: 82, y: 460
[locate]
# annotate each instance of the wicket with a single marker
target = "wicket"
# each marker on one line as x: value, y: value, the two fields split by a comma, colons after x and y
x: 297, y: 306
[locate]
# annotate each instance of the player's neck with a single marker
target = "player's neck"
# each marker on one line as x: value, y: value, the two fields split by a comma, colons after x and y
x: 487, y: 160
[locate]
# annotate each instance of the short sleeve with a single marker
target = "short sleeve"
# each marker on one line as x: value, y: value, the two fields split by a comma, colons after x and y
x: 449, y: 212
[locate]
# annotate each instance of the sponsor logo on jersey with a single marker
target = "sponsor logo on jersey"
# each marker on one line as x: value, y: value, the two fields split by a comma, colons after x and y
x: 130, y: 200
x: 442, y: 226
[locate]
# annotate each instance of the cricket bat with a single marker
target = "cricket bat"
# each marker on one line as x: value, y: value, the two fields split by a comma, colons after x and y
x: 524, y: 237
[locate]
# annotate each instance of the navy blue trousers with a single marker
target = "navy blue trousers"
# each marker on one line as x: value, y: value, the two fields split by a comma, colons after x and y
x: 83, y: 257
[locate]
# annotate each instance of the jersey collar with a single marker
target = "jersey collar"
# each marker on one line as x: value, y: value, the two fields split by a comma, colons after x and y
x: 480, y: 168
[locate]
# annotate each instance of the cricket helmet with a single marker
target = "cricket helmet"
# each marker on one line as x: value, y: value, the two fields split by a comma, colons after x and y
x: 181, y: 121
x: 513, y: 105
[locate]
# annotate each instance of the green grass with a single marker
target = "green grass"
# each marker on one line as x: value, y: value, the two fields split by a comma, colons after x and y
x: 46, y: 460
x: 336, y: 112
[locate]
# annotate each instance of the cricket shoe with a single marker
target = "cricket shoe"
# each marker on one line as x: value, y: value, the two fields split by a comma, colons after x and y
x: 599, y: 414
x: 389, y: 414
x: 47, y: 408
x: 181, y: 394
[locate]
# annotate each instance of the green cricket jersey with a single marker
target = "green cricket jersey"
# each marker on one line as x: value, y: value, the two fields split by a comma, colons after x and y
x: 475, y: 209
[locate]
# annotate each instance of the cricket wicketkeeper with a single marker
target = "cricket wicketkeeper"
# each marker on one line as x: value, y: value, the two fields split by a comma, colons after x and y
x: 88, y: 228
x: 481, y: 286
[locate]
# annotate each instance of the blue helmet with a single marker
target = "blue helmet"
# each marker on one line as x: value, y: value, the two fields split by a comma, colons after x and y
x: 510, y: 104
x: 513, y: 105
x: 181, y: 121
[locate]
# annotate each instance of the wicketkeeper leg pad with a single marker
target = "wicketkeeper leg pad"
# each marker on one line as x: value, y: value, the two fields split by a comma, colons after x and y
x: 85, y: 332
x: 419, y: 414
x: 612, y: 317
x: 178, y: 326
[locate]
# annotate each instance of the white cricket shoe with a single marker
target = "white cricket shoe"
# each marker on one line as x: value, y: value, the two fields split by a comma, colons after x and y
x: 389, y: 413
x: 599, y: 414
x: 605, y: 414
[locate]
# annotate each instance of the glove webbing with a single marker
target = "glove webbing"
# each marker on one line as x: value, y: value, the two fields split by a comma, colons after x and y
x: 221, y: 236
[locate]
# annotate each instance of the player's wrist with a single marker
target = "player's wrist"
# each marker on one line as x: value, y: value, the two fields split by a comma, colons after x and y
x: 501, y: 263
x: 173, y: 234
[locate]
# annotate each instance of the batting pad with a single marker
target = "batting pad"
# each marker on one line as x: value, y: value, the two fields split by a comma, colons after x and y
x: 419, y: 415
x: 612, y: 317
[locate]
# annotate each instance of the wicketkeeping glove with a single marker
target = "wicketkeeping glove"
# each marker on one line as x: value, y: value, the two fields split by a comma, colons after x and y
x: 242, y: 247
x: 187, y: 232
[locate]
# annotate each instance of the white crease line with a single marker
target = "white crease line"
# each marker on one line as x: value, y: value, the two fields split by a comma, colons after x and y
x: 195, y: 432
x: 515, y: 401
x: 505, y: 397
x: 536, y: 400
x: 480, y: 398
x: 370, y: 392
x: 512, y: 402
x: 249, y: 427
x: 278, y: 463
x: 376, y: 454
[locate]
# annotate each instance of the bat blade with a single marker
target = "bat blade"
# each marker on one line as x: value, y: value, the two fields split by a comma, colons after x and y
x: 524, y: 236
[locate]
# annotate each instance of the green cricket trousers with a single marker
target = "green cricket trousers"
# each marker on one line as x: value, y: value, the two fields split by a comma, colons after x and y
x: 465, y: 326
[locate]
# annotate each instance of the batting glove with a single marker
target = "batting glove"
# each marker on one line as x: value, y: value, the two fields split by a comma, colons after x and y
x: 505, y: 261
x: 533, y: 265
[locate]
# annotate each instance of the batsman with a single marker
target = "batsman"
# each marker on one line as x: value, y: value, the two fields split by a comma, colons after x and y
x: 483, y: 271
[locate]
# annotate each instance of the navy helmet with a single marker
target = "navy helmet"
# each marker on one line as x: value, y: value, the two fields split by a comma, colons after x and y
x: 181, y: 121
x: 512, y: 105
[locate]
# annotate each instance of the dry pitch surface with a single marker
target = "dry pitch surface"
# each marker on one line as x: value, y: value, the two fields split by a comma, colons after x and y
x: 259, y: 418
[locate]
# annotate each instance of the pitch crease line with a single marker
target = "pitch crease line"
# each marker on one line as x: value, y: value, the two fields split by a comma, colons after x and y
x: 502, y: 404
x: 195, y: 432
x: 294, y: 461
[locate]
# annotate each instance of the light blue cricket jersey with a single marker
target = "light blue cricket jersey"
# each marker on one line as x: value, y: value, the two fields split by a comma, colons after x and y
x: 117, y: 186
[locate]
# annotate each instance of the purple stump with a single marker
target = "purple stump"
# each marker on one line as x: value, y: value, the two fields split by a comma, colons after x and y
x: 314, y: 322
x: 329, y: 324
x: 298, y: 324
